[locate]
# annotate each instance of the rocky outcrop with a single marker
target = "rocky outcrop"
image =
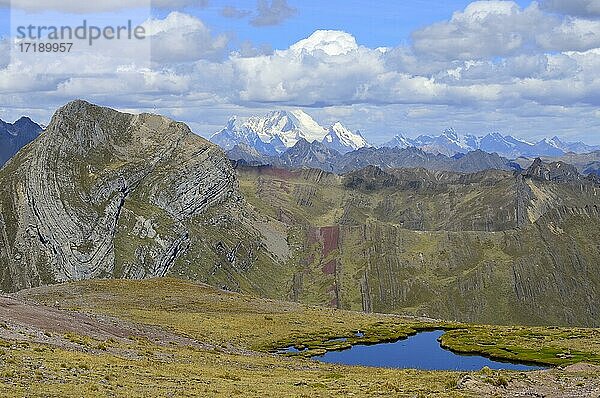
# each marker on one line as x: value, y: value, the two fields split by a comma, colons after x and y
x: 491, y: 247
x: 108, y: 194
x: 306, y: 154
x: 554, y: 171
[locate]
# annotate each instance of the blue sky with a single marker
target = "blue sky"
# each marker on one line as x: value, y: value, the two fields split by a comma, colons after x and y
x: 530, y: 69
x: 374, y: 24
x: 389, y: 23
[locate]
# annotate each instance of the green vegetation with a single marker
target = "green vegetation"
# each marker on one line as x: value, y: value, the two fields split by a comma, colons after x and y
x: 229, y: 319
x: 443, y: 245
x: 547, y: 345
x: 238, y: 332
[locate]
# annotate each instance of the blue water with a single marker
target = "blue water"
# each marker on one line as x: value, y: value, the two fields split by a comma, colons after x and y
x: 421, y: 351
x: 289, y: 350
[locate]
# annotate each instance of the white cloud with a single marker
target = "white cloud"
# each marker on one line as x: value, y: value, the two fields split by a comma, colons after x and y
x: 492, y: 66
x: 572, y: 34
x: 488, y: 29
x: 484, y: 29
x: 331, y: 42
x: 182, y: 38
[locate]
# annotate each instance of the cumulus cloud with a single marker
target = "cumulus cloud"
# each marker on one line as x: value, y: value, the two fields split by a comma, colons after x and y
x: 493, y: 63
x: 571, y: 34
x: 330, y: 42
x: 182, y: 38
x: 249, y: 50
x: 484, y: 29
x: 488, y: 29
x: 272, y: 14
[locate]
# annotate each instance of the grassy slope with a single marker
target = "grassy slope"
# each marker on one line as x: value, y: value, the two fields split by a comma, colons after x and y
x: 543, y: 274
x: 235, y: 324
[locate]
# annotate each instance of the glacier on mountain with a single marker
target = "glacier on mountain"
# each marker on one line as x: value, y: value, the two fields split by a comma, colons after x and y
x: 279, y: 130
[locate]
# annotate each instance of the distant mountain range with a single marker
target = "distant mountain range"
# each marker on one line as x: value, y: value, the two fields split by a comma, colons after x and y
x: 103, y: 194
x: 450, y: 143
x: 587, y: 163
x: 319, y: 156
x: 277, y: 131
x: 15, y: 136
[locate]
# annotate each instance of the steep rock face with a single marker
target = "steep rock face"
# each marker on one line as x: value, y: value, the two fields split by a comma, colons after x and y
x: 107, y: 194
x: 492, y: 247
x: 309, y: 155
x: 554, y: 171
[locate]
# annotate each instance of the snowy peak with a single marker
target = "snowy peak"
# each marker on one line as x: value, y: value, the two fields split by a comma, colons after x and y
x: 451, y: 134
x: 311, y: 130
x: 343, y: 140
x: 575, y: 147
x: 231, y: 123
x: 399, y: 141
x: 447, y: 143
x: 279, y: 130
x: 450, y: 143
x: 288, y: 126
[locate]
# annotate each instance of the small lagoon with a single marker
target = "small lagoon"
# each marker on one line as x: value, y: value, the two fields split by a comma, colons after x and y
x: 421, y: 351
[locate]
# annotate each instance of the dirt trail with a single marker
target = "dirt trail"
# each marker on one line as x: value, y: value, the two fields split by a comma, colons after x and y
x: 43, y: 324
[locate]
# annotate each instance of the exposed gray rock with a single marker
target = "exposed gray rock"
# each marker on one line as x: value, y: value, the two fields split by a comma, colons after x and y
x: 108, y: 194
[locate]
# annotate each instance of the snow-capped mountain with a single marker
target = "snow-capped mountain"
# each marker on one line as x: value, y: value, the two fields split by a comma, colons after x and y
x: 451, y: 143
x: 448, y: 143
x: 575, y: 147
x: 343, y: 140
x: 279, y: 130
x: 399, y: 141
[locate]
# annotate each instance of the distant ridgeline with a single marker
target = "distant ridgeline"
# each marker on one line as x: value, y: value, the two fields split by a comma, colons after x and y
x: 15, y: 136
x: 293, y: 139
x: 103, y: 194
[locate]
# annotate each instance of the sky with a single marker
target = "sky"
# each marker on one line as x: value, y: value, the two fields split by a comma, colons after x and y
x: 529, y: 69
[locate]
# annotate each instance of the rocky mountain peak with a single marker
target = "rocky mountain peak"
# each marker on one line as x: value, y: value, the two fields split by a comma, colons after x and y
x: 15, y: 136
x: 451, y: 133
x: 105, y: 193
x: 554, y: 171
x: 81, y: 127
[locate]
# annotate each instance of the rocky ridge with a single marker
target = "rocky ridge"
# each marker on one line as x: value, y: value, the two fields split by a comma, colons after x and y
x: 15, y: 136
x: 106, y: 194
x: 306, y: 154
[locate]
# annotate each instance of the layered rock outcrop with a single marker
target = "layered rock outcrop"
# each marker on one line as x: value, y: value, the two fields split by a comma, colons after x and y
x: 108, y: 194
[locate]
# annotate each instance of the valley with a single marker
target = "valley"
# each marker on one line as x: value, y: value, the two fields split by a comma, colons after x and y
x: 137, y: 259
x: 451, y: 246
x: 99, y: 195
